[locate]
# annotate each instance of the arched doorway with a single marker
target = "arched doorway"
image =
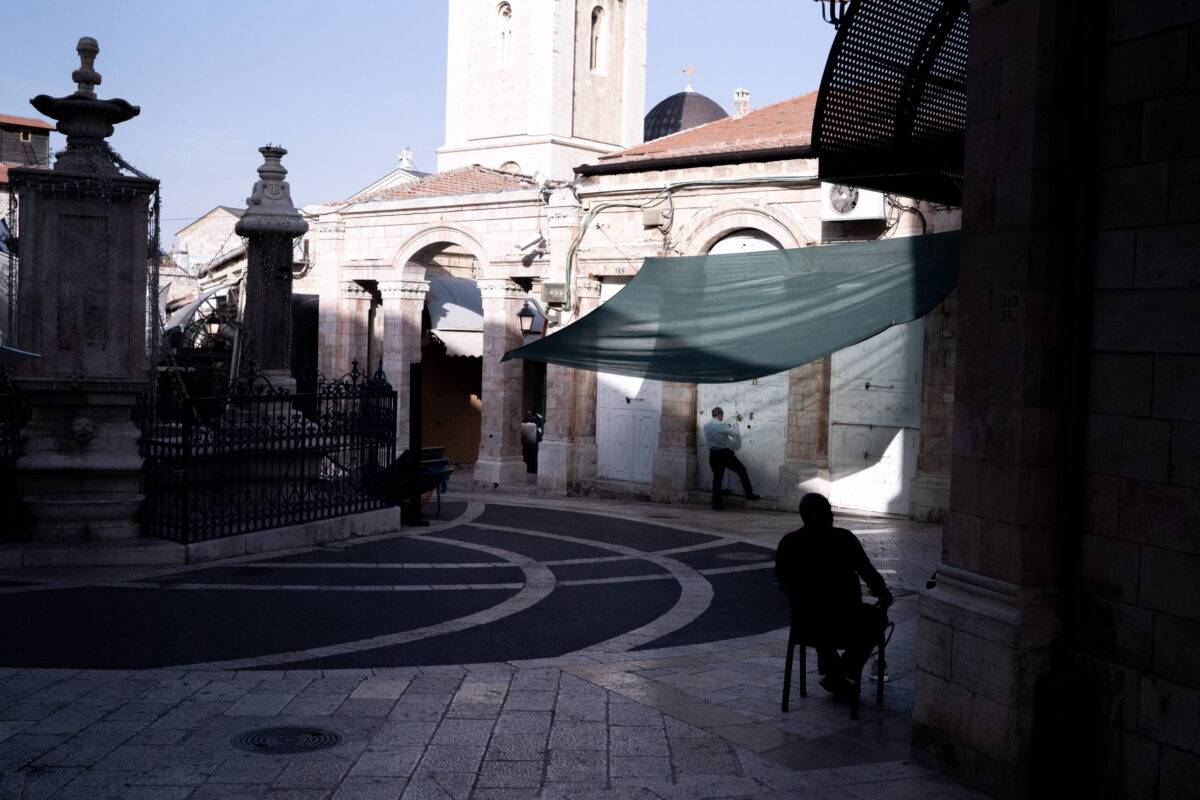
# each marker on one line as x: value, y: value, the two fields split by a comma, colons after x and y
x: 451, y: 351
x: 757, y: 407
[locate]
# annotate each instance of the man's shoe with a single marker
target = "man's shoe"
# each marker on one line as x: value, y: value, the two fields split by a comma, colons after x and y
x: 753, y: 496
x: 841, y: 688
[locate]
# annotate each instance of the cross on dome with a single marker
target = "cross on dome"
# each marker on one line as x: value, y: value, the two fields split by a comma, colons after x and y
x: 689, y: 70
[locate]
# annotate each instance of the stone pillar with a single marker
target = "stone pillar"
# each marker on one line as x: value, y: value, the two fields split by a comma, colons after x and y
x: 403, y: 302
x: 327, y: 239
x: 931, y: 484
x: 350, y: 344
x: 805, y: 465
x: 567, y: 453
x: 987, y: 631
x: 270, y: 225
x: 82, y: 308
x: 675, y: 455
x: 500, y: 462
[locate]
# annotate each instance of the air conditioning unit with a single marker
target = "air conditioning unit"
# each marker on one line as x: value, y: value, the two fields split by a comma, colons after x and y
x: 842, y: 203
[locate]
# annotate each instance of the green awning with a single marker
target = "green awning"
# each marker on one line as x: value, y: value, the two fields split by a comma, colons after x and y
x: 712, y: 319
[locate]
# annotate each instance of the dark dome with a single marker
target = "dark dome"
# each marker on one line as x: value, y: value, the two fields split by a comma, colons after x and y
x: 680, y: 112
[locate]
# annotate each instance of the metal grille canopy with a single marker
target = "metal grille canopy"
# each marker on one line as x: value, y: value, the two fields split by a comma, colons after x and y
x: 893, y: 101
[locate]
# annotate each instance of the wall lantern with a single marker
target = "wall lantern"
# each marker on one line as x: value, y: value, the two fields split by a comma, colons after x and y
x: 214, y: 325
x: 834, y: 10
x: 527, y: 316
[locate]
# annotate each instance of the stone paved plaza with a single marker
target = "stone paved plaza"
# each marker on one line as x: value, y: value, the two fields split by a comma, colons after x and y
x: 519, y: 647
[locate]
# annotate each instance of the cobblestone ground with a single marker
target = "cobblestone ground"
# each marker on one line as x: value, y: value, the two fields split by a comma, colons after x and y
x: 519, y: 648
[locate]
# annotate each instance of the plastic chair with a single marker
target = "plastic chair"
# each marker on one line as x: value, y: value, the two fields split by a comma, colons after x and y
x: 796, y: 639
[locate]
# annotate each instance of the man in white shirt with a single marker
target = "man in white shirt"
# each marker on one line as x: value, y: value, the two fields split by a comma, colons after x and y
x: 722, y: 439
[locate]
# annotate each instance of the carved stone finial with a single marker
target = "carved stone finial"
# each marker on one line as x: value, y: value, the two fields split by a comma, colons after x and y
x: 689, y: 70
x: 86, y: 77
x: 269, y: 207
x: 85, y: 120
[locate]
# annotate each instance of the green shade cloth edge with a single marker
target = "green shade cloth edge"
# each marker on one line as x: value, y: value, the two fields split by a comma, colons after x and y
x: 721, y: 318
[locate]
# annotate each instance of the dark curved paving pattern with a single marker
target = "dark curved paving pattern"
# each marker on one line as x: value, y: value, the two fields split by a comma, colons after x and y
x: 399, y: 550
x: 609, y: 530
x: 116, y: 628
x: 344, y: 576
x: 510, y: 583
x: 570, y: 619
x: 744, y: 603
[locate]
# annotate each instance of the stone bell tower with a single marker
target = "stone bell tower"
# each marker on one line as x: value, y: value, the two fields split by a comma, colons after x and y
x: 81, y: 306
x: 541, y: 86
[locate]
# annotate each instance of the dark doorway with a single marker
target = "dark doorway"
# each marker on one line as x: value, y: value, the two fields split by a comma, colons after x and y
x: 451, y: 403
x: 306, y: 310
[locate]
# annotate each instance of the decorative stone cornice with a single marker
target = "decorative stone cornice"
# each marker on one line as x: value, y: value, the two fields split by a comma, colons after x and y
x: 352, y: 291
x: 403, y: 290
x: 501, y: 288
x: 329, y: 227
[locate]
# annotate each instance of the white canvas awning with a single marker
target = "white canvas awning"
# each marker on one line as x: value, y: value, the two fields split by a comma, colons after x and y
x: 468, y: 344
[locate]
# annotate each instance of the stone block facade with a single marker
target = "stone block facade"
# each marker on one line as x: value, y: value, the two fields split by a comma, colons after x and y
x: 1057, y: 651
x: 371, y: 260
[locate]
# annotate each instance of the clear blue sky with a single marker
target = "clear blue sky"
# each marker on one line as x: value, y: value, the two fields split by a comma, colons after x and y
x: 342, y: 85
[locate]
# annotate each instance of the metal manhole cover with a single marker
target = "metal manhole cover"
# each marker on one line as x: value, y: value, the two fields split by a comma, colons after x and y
x: 282, y: 741
x: 742, y: 556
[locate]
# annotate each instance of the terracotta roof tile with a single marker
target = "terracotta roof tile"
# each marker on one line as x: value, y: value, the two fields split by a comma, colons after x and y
x: 26, y: 122
x: 5, y: 166
x: 783, y: 124
x: 464, y: 180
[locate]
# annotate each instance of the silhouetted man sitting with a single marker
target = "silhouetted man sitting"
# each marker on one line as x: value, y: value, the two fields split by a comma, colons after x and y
x: 818, y: 567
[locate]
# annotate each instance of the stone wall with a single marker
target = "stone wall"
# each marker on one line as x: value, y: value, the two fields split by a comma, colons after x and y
x: 1057, y: 655
x: 931, y: 486
x: 1139, y: 558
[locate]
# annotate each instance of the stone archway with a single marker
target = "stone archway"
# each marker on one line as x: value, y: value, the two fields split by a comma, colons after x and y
x: 438, y: 238
x: 437, y: 321
x: 700, y: 234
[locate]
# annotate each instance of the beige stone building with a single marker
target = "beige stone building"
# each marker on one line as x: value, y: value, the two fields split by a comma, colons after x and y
x: 545, y: 188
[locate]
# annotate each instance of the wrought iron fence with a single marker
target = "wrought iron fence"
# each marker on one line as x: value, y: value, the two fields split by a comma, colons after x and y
x: 261, y: 458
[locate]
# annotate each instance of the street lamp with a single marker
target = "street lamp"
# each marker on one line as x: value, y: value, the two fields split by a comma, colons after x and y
x: 834, y: 10
x: 527, y: 316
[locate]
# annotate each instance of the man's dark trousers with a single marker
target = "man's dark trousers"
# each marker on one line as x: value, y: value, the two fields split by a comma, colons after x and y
x: 721, y: 460
x: 857, y: 632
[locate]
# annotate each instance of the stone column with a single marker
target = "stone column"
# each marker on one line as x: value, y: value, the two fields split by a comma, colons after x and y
x: 931, y: 484
x: 82, y: 308
x: 987, y: 632
x: 500, y: 462
x: 805, y: 466
x: 327, y: 239
x: 567, y: 453
x: 350, y: 344
x: 675, y: 455
x: 271, y: 225
x: 403, y: 302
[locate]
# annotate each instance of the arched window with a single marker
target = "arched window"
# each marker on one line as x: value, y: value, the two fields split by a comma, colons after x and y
x: 511, y: 166
x: 504, y: 34
x: 596, y: 57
